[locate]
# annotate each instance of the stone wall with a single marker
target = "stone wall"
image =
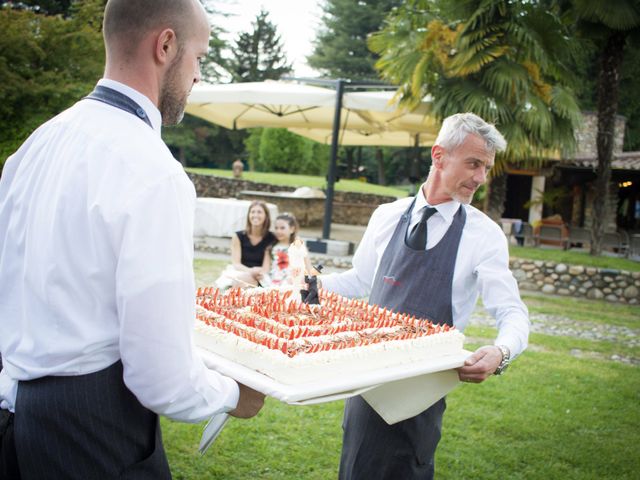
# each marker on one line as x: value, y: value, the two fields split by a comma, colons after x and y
x: 348, y: 207
x: 223, y: 187
x: 619, y: 286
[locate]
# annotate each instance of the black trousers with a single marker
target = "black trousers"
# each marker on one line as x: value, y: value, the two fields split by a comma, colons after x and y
x: 86, y: 427
x: 375, y: 450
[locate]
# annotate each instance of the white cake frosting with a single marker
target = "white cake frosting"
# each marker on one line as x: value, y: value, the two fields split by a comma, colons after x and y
x: 294, y: 343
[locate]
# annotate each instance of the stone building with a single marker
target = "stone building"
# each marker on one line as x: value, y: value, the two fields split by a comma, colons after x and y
x: 567, y: 185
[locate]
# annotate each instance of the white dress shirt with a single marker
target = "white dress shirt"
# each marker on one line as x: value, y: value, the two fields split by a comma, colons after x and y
x: 482, y: 266
x: 96, y: 252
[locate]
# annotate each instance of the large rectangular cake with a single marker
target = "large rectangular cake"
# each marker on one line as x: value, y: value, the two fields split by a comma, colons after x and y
x: 272, y: 332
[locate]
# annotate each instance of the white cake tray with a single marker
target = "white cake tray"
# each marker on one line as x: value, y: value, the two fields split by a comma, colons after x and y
x: 330, y: 389
x: 396, y: 393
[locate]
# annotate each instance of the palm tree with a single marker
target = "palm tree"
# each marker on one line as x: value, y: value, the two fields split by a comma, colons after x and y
x: 610, y: 26
x: 503, y: 60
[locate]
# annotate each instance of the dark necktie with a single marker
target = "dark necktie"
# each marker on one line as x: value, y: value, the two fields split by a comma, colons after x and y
x: 417, y: 239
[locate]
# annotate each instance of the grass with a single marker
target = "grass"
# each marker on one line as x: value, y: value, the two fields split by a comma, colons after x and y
x: 573, y: 258
x: 291, y: 180
x: 552, y: 416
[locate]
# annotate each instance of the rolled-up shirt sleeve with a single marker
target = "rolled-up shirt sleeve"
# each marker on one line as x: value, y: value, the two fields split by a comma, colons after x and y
x: 500, y: 294
x: 155, y: 298
x: 357, y: 281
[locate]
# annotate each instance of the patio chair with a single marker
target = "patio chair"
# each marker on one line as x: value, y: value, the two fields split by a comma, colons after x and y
x: 634, y: 246
x: 614, y: 242
x: 552, y: 235
x: 579, y: 237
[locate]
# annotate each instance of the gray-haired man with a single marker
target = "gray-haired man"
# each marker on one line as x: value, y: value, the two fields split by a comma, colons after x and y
x: 431, y: 256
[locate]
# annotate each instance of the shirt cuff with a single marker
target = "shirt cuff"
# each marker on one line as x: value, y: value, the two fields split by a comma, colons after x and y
x: 231, y: 389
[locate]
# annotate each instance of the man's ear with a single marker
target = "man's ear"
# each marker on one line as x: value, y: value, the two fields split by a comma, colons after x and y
x: 437, y: 156
x: 166, y: 46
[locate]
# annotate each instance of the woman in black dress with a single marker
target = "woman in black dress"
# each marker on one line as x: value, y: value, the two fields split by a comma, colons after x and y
x: 250, y: 250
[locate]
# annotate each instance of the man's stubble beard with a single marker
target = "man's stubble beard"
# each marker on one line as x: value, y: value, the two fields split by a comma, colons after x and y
x: 172, y: 101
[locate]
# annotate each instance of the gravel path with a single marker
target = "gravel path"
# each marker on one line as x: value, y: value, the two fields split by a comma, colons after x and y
x: 563, y: 326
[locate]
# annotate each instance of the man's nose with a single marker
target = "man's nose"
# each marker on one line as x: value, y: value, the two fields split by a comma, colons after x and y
x: 480, y: 176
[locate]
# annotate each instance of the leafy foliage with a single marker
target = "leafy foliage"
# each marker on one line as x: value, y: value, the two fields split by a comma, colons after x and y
x: 505, y: 61
x: 278, y: 150
x: 46, y: 64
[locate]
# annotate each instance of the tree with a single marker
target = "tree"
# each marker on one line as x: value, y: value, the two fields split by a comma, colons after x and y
x: 46, y: 64
x: 47, y: 7
x: 611, y: 28
x: 258, y: 55
x: 503, y: 60
x: 278, y: 150
x: 340, y: 48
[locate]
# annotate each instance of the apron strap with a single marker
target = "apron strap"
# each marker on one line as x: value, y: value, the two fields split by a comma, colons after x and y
x: 119, y: 100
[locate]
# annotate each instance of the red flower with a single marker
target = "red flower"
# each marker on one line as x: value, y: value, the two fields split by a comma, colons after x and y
x: 282, y: 260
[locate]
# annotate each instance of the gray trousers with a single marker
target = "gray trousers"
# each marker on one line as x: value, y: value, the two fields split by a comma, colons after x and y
x: 86, y: 427
x: 375, y: 450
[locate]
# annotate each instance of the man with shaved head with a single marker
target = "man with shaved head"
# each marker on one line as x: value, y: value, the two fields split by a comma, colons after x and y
x: 96, y: 252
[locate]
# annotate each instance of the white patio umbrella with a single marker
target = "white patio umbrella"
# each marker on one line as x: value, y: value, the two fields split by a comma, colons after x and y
x: 363, y: 118
x: 271, y: 104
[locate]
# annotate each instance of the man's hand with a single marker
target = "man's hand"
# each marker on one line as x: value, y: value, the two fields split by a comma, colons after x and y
x: 481, y: 364
x: 249, y: 403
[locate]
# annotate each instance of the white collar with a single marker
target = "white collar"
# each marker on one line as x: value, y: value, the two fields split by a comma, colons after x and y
x: 152, y: 111
x: 446, y: 209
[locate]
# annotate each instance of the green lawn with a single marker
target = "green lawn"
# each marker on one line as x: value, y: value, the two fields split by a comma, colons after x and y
x: 552, y: 416
x: 290, y: 180
x: 573, y: 258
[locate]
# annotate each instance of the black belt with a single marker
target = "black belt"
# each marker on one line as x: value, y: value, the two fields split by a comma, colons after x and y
x: 119, y: 100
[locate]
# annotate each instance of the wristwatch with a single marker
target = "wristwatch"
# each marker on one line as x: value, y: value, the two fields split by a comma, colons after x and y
x: 506, y: 354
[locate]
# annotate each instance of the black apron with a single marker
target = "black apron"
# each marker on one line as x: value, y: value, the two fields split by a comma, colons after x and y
x: 415, y: 282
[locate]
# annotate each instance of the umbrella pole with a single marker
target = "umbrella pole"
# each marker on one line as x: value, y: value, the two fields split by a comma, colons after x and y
x: 331, y: 177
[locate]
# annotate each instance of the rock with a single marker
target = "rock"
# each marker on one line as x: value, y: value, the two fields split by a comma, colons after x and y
x: 554, y: 276
x: 564, y: 291
x: 528, y: 266
x: 519, y: 274
x: 610, y: 271
x: 561, y: 268
x: 611, y: 298
x: 548, y: 289
x: 528, y: 286
x: 549, y: 280
x: 630, y: 292
x: 576, y: 270
x: 608, y: 279
x: 606, y: 290
x: 538, y: 263
x: 635, y: 275
x: 565, y: 278
x: 591, y: 270
x: 595, y: 294
x: 587, y: 285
